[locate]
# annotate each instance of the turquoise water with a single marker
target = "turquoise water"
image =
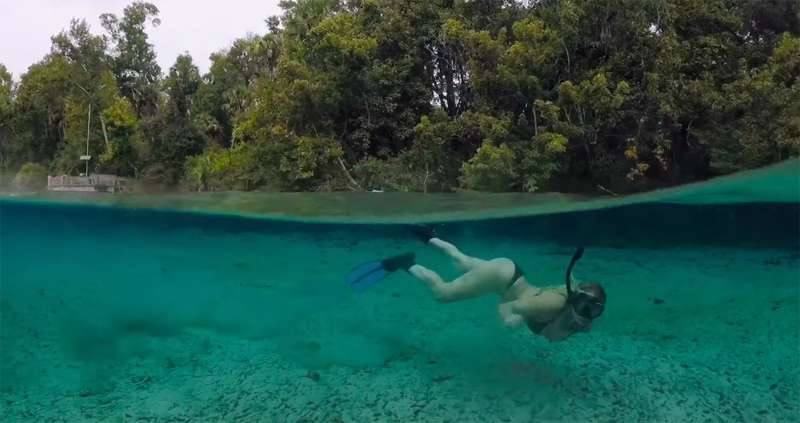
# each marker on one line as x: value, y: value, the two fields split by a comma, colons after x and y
x: 121, y: 315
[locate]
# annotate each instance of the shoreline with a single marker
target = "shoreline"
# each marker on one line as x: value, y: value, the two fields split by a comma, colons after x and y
x: 778, y: 183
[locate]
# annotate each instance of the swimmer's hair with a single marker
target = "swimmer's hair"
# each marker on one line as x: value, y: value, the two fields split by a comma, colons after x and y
x: 594, y: 289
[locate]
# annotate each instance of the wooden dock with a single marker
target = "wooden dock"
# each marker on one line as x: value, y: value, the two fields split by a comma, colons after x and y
x: 92, y: 183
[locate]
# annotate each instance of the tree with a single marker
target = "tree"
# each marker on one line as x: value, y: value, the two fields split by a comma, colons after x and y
x: 569, y: 95
x: 173, y: 133
x: 132, y: 59
x: 91, y: 90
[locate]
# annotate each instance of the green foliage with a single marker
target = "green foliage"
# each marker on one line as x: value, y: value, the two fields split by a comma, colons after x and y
x: 132, y: 59
x: 424, y: 96
x: 767, y: 105
x: 493, y: 168
x: 5, y: 90
x: 541, y: 159
x: 282, y: 161
x: 80, y: 129
x: 222, y: 169
x: 31, y: 176
x: 124, y: 147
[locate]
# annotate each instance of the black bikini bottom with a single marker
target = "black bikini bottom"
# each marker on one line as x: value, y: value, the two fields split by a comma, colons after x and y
x: 518, y: 273
x: 535, y: 327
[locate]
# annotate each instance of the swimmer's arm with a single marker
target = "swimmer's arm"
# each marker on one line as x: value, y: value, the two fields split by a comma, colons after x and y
x: 541, y: 308
x: 508, y: 316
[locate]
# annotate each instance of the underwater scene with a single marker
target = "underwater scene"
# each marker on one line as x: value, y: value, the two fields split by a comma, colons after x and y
x: 138, y: 314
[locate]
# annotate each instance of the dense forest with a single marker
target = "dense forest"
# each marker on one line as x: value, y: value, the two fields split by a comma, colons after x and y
x: 411, y: 95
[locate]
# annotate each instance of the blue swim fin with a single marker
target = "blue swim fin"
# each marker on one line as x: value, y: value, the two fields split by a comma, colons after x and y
x: 370, y: 273
x: 366, y: 275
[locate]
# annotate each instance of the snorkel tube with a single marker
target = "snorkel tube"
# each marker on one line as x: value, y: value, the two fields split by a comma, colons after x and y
x: 575, y: 257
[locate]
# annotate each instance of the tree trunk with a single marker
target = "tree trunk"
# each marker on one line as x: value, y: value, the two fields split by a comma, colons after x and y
x: 445, y: 68
x: 356, y: 185
x: 105, y: 133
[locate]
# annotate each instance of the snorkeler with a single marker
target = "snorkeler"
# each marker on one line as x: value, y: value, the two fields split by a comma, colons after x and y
x: 554, y: 312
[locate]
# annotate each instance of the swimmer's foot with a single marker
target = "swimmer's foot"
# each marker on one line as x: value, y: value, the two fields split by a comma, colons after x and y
x: 422, y: 232
x: 400, y: 262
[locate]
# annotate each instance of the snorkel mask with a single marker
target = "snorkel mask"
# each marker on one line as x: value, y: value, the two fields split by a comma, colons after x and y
x: 585, y: 305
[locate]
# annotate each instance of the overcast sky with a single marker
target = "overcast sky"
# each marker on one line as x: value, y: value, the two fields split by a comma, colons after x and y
x: 200, y: 27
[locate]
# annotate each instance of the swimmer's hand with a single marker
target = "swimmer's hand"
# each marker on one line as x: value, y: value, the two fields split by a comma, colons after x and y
x: 508, y: 317
x: 513, y: 321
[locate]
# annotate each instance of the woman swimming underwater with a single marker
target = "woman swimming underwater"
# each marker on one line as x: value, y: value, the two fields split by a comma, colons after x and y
x: 553, y: 312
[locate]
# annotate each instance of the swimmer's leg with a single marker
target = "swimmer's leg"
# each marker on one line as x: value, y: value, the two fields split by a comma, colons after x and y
x: 477, y: 282
x: 428, y: 235
x: 461, y: 260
